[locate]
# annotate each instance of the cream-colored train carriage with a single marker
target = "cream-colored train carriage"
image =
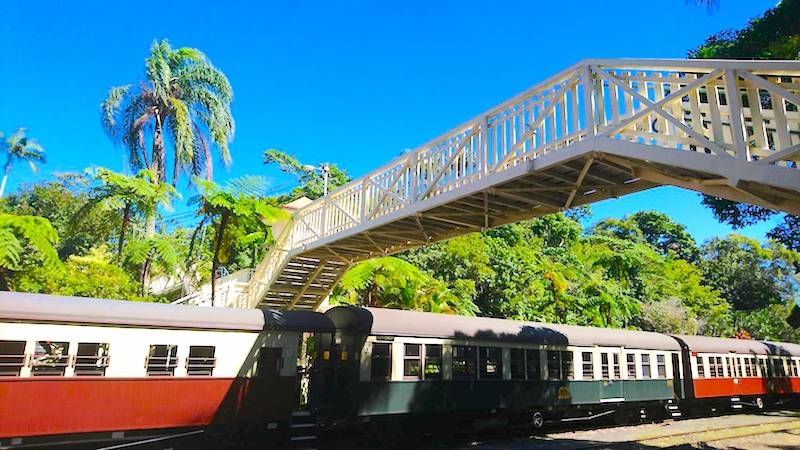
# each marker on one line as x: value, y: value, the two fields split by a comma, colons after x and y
x: 109, y: 369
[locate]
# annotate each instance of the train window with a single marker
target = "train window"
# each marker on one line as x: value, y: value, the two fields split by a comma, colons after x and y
x: 491, y: 362
x: 270, y: 362
x: 566, y: 365
x: 532, y: 364
x: 91, y: 359
x: 588, y: 366
x: 630, y: 359
x: 51, y: 358
x: 517, y: 363
x: 615, y: 361
x: 749, y: 366
x: 795, y: 369
x: 712, y: 367
x: 162, y: 360
x: 553, y: 365
x: 412, y: 362
x: 201, y: 360
x: 646, y: 373
x: 12, y: 358
x: 661, y: 363
x: 381, y: 361
x: 464, y: 359
x: 605, y: 370
x: 764, y: 368
x: 433, y: 362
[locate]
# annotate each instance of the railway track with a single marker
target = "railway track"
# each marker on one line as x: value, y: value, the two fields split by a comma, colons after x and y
x: 681, y: 434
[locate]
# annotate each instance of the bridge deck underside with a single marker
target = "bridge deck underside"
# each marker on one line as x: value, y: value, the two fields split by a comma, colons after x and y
x: 587, y: 177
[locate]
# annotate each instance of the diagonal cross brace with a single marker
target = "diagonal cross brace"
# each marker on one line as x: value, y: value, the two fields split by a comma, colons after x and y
x: 646, y: 101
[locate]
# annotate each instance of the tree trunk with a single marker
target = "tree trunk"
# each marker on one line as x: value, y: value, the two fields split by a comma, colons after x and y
x: 5, y: 176
x: 145, y: 278
x: 175, y: 169
x: 223, y: 222
x: 158, y: 149
x: 126, y: 217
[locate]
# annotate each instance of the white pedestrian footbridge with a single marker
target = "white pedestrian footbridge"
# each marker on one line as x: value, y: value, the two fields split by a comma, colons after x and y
x: 602, y: 128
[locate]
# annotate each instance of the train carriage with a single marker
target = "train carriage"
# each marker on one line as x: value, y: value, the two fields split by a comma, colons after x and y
x: 75, y: 369
x: 734, y: 373
x: 392, y: 368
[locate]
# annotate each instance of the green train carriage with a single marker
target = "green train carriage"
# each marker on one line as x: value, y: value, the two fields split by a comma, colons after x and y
x: 389, y: 368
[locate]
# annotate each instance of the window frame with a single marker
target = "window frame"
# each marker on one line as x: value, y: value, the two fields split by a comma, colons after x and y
x: 517, y: 364
x: 648, y: 375
x: 197, y: 366
x: 484, y: 363
x: 383, y: 358
x: 10, y: 360
x: 587, y: 366
x: 170, y: 361
x: 418, y: 358
x: 58, y: 368
x: 467, y: 375
x: 98, y: 362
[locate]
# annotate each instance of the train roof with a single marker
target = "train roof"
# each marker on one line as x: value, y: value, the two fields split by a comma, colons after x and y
x: 709, y: 344
x: 392, y: 322
x: 28, y: 307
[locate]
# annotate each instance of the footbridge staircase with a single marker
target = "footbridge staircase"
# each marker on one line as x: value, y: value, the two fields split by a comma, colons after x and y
x: 599, y: 129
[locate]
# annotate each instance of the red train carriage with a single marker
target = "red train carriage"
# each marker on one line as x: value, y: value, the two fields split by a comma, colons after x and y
x: 74, y: 369
x: 737, y: 372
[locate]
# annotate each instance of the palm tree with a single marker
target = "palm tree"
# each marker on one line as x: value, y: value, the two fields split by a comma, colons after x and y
x: 140, y: 195
x: 19, y: 147
x: 238, y: 204
x: 18, y: 232
x: 184, y: 96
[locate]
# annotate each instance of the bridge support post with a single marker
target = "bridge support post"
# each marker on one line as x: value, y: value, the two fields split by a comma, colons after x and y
x: 735, y: 109
x: 588, y: 101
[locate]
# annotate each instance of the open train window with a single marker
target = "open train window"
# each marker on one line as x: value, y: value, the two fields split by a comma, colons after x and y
x: 661, y: 366
x: 433, y: 362
x: 464, y: 360
x: 381, y: 361
x: 412, y: 362
x: 588, y: 365
x: 615, y: 362
x: 517, y: 360
x: 646, y: 372
x: 630, y: 360
x: 605, y: 369
x: 491, y: 362
x: 12, y: 358
x: 91, y: 359
x: 201, y: 360
x: 270, y: 362
x: 559, y: 365
x: 50, y: 359
x: 161, y: 360
x: 532, y: 365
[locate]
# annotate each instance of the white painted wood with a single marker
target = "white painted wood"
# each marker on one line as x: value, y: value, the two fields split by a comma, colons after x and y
x: 539, y: 129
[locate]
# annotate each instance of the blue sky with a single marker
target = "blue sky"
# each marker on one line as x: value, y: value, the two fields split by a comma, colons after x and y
x: 353, y: 83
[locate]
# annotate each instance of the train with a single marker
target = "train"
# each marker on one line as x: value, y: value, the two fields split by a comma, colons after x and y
x: 76, y: 371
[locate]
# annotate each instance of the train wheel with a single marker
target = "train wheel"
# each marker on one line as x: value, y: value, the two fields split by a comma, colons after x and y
x: 537, y: 420
x: 760, y: 403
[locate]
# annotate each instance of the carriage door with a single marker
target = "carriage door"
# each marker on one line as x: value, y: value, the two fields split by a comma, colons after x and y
x: 611, y: 386
x: 321, y: 372
x: 677, y: 382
